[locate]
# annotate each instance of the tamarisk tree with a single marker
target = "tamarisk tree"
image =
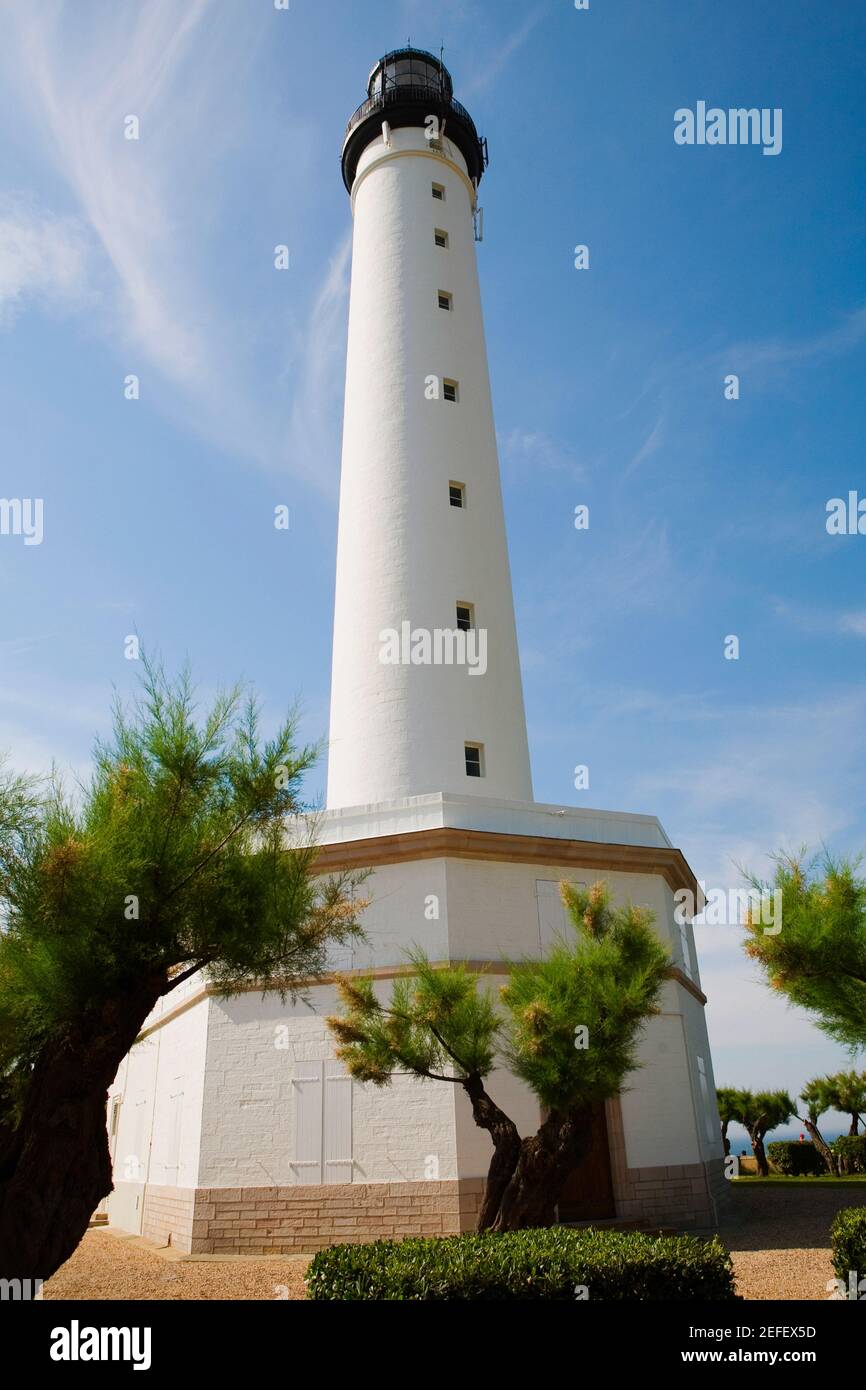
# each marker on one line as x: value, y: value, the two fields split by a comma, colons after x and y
x: 817, y: 1098
x: 173, y: 860
x: 760, y: 1113
x: 567, y: 1025
x: 818, y: 958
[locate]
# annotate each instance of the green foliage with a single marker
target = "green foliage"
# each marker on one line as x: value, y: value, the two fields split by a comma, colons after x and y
x: 549, y: 1264
x: 845, y: 1091
x: 850, y: 1150
x: 607, y: 979
x: 796, y: 1160
x: 764, y: 1111
x: 732, y: 1104
x: 440, y: 1024
x: 848, y: 1242
x: 817, y: 1098
x: 818, y: 959
x: 172, y: 859
x: 436, y: 1020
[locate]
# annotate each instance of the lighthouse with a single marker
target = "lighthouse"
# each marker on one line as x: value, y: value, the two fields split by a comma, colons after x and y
x: 421, y: 548
x: 234, y: 1127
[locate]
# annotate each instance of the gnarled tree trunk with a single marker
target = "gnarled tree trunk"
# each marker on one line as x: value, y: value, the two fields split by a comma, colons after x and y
x: 760, y: 1153
x: 545, y: 1161
x: 506, y: 1149
x: 822, y: 1146
x: 57, y: 1167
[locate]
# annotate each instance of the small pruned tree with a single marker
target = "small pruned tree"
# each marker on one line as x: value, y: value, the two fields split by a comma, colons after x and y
x: 817, y: 958
x: 567, y: 1025
x: 760, y: 1113
x: 173, y: 860
x: 846, y: 1092
x: 730, y: 1107
x: 816, y: 1097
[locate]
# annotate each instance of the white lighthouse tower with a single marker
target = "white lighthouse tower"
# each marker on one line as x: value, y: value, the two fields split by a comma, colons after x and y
x: 422, y: 538
x: 233, y: 1126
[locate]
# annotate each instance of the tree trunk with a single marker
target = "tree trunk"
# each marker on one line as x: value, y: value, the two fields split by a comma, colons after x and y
x: 726, y: 1143
x: 822, y: 1146
x: 59, y: 1168
x: 506, y: 1149
x: 545, y: 1160
x: 854, y: 1118
x: 760, y: 1154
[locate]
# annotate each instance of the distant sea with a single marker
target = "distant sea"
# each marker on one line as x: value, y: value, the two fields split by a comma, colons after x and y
x: 740, y: 1142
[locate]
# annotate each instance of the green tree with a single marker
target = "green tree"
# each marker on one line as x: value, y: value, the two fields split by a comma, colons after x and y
x: 818, y: 958
x: 846, y: 1092
x: 729, y: 1102
x: 816, y: 1097
x: 760, y: 1113
x: 567, y: 1025
x: 173, y: 860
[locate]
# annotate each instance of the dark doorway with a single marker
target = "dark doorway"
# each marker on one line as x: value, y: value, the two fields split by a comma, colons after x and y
x: 588, y: 1191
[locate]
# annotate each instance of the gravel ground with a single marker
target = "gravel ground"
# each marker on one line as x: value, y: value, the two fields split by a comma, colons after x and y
x: 778, y: 1241
x: 779, y: 1238
x: 111, y: 1265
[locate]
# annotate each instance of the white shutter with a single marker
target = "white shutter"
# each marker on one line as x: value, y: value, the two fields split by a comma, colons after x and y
x: 307, y: 1085
x: 554, y: 923
x: 705, y: 1097
x: 175, y: 1125
x: 337, y: 1124
x: 686, y: 953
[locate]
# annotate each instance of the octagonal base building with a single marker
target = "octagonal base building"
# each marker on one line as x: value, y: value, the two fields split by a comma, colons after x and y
x: 232, y: 1125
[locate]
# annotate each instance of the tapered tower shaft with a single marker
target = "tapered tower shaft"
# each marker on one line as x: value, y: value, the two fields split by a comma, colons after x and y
x: 421, y: 546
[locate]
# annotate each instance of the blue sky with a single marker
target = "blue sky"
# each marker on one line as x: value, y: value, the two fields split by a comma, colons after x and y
x: 155, y: 257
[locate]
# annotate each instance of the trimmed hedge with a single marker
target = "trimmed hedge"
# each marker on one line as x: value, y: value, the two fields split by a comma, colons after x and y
x: 796, y: 1160
x: 554, y: 1263
x: 848, y: 1241
x: 850, y: 1150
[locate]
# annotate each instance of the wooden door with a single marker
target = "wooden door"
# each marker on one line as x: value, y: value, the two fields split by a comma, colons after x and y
x: 588, y: 1191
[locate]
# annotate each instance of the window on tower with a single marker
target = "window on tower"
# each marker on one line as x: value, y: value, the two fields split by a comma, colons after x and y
x: 474, y: 754
x: 439, y: 192
x: 465, y: 616
x: 446, y: 300
x: 440, y: 237
x: 457, y: 494
x: 450, y: 390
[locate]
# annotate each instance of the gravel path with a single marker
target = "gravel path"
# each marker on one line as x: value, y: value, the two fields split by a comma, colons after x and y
x: 778, y: 1241
x: 111, y: 1265
x: 779, y: 1238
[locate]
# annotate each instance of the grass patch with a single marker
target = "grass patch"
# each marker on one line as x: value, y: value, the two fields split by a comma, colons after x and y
x: 779, y: 1180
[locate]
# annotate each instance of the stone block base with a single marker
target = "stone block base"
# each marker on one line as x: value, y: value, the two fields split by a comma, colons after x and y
x: 296, y: 1220
x: 300, y: 1220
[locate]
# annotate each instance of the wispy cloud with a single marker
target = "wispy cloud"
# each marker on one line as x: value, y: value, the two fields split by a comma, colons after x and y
x: 497, y: 59
x: 650, y: 446
x: 821, y: 621
x: 147, y: 209
x: 314, y: 427
x: 534, y: 450
x: 770, y: 354
x: 42, y: 257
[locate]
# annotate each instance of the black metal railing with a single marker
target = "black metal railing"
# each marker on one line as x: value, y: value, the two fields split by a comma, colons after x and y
x: 421, y: 94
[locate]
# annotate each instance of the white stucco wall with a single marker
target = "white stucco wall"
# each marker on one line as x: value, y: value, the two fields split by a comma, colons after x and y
x: 160, y: 1086
x: 249, y: 1135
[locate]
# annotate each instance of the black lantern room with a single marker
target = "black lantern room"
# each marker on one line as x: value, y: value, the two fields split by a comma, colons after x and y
x: 404, y: 88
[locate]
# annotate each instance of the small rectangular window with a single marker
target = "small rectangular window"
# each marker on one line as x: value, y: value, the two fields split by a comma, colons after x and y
x: 474, y: 753
x: 446, y: 300
x: 465, y: 616
x: 440, y: 237
x: 439, y: 192
x: 457, y: 494
x: 450, y: 390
